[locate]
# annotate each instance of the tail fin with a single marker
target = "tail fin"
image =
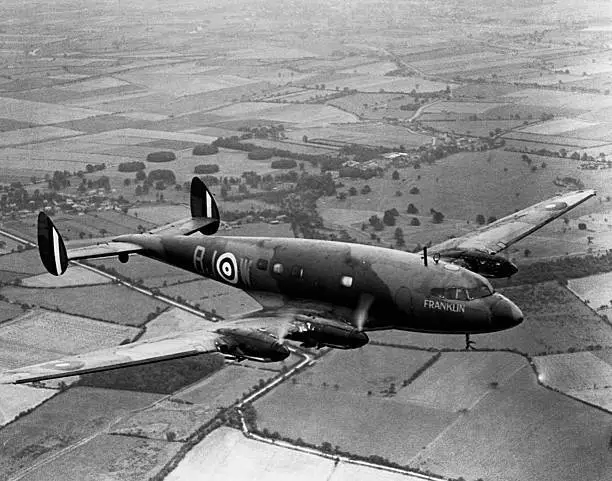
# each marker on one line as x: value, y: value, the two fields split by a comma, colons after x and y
x: 203, y: 205
x: 51, y: 246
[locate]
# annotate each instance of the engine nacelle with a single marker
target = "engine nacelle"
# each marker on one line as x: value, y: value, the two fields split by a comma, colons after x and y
x: 314, y: 331
x: 483, y: 263
x: 240, y: 344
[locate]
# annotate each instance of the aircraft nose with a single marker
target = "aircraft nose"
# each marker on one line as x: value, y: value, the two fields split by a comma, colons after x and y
x: 505, y: 313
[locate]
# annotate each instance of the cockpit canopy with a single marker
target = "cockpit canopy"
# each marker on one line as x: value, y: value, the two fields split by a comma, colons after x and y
x: 462, y: 293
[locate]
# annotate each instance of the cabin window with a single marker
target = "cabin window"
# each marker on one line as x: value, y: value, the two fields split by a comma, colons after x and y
x: 346, y: 281
x: 262, y: 264
x: 277, y: 268
x: 297, y: 271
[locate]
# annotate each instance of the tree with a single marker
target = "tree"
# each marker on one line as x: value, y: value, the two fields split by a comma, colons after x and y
x: 388, y: 218
x: 412, y: 209
x: 415, y: 222
x: 352, y: 191
x: 526, y: 252
x: 399, y: 237
x: 480, y: 219
x: 415, y: 191
x: 366, y: 189
x: 395, y: 175
x: 140, y: 176
x: 437, y: 217
x: 127, y: 182
x: 376, y: 222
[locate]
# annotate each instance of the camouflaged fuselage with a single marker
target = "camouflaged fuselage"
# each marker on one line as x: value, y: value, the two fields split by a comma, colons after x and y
x: 335, y: 273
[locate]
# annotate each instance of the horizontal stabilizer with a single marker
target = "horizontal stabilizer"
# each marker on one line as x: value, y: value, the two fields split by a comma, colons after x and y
x: 51, y: 246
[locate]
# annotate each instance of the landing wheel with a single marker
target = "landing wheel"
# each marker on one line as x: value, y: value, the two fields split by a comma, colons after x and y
x: 469, y: 344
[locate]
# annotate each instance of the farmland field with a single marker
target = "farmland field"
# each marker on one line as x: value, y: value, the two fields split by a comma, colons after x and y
x: 63, y: 420
x: 371, y: 133
x: 582, y: 375
x: 8, y: 311
x: 566, y: 439
x: 227, y: 454
x: 194, y: 406
x: 448, y: 186
x: 378, y: 83
x: 461, y: 380
x: 42, y: 113
x: 75, y: 276
x: 328, y: 403
x: 371, y: 368
x: 15, y: 399
x: 101, y: 302
x: 111, y: 457
x: 40, y: 335
x: 34, y: 134
x: 27, y: 262
x: 596, y: 290
x: 225, y: 386
x: 301, y: 114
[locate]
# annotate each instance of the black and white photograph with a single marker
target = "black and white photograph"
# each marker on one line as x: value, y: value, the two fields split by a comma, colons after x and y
x: 306, y: 240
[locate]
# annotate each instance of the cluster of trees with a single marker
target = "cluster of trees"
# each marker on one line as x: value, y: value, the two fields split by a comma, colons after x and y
x: 205, y: 149
x: 163, y: 156
x: 206, y: 169
x: 131, y: 166
x: 283, y: 164
x: 260, y: 154
x: 274, y: 132
x: 236, y: 143
x: 59, y: 181
x: 161, y: 175
x: 355, y: 173
x: 91, y: 168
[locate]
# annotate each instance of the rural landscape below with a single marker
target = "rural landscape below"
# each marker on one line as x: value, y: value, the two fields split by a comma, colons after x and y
x: 398, y: 124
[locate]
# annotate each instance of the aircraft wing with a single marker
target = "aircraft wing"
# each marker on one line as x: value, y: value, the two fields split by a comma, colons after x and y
x: 504, y: 232
x: 141, y: 352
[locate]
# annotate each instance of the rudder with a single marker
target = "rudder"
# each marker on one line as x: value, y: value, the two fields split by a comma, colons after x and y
x: 203, y: 205
x: 51, y: 246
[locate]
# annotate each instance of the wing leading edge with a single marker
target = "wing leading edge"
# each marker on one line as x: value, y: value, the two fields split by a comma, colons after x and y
x: 504, y: 232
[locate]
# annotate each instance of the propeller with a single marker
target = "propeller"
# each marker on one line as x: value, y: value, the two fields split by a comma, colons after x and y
x: 361, y: 313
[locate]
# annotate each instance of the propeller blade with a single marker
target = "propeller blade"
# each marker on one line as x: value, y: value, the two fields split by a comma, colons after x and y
x: 361, y: 313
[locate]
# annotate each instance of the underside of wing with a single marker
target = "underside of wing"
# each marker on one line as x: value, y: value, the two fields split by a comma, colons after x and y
x: 501, y: 234
x: 142, y: 352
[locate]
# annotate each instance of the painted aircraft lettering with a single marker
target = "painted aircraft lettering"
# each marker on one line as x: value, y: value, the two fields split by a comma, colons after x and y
x: 443, y: 306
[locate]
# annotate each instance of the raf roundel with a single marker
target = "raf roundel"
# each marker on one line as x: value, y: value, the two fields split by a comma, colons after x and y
x: 227, y: 268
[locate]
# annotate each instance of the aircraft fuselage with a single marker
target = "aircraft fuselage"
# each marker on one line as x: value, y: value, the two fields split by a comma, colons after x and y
x: 439, y: 297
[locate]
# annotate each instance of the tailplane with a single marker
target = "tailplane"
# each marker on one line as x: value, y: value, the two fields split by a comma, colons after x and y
x: 51, y: 246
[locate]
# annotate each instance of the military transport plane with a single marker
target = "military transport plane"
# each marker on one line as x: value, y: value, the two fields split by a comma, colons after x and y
x: 354, y: 287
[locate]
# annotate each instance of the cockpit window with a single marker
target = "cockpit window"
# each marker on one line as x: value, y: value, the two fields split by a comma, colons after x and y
x: 452, y: 293
x: 461, y: 293
x: 480, y: 291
